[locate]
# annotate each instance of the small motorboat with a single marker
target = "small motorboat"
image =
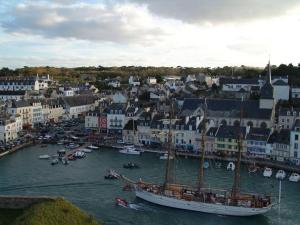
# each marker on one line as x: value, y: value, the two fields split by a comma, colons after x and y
x: 54, y: 162
x: 295, y: 177
x: 93, y: 147
x: 267, y: 172
x: 165, y: 156
x: 79, y: 154
x: 112, y: 175
x: 206, y: 165
x: 280, y: 174
x: 44, y: 156
x: 131, y: 165
x: 121, y: 202
x: 231, y: 166
x: 129, y: 151
x: 252, y: 168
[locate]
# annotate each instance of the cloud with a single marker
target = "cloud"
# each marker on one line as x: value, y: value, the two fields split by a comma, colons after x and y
x: 219, y: 11
x: 126, y: 23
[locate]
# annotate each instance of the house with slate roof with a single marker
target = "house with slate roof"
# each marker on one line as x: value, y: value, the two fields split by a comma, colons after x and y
x: 294, y: 143
x: 228, y: 111
x: 280, y: 145
x: 281, y: 89
x: 227, y: 137
x: 287, y: 117
x: 256, y: 142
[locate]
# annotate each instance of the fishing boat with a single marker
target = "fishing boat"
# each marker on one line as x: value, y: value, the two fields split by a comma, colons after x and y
x: 280, y: 174
x: 44, y: 156
x: 231, y: 166
x: 267, y: 172
x: 295, y: 177
x: 129, y: 151
x: 166, y: 156
x: 224, y: 202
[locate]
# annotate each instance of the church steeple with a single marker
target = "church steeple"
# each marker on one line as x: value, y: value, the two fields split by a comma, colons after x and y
x: 269, y: 75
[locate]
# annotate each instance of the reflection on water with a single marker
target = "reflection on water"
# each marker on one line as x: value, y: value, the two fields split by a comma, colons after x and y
x: 82, y: 183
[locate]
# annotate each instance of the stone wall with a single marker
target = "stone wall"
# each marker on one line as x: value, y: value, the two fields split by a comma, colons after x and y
x: 19, y: 202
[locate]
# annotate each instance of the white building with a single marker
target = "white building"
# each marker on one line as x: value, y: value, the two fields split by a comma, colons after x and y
x: 295, y: 92
x: 134, y: 81
x: 22, y: 108
x: 151, y: 80
x: 13, y: 95
x: 76, y: 106
x: 281, y: 88
x: 9, y: 128
x: 37, y: 113
x: 116, y: 118
x: 295, y: 143
x: 287, y: 117
x: 8, y: 84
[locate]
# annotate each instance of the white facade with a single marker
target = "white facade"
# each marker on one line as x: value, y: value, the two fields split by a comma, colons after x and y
x: 281, y: 92
x: 91, y: 121
x: 9, y: 130
x: 17, y: 85
x: 295, y: 92
x: 151, y: 80
x: 295, y: 146
x: 37, y: 113
x: 134, y: 81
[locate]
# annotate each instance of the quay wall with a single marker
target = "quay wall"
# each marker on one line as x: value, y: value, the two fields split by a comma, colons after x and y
x: 21, y: 202
x: 19, y: 147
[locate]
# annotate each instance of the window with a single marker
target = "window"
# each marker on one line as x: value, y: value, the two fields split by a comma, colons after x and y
x: 296, y: 146
x: 296, y: 137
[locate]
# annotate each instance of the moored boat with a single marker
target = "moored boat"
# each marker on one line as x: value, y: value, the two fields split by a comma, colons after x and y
x: 280, y: 174
x: 165, y: 156
x: 295, y: 177
x: 129, y: 151
x: 86, y: 150
x: 54, y: 162
x: 267, y: 172
x: 44, y: 157
x: 93, y: 147
x: 231, y: 166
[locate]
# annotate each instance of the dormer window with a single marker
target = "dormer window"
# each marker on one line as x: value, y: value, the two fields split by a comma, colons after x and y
x: 288, y: 113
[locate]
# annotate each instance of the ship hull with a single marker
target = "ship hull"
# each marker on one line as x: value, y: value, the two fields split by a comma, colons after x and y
x: 199, y: 206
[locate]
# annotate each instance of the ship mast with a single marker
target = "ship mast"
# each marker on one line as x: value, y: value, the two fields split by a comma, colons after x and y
x: 201, y: 169
x: 168, y: 166
x: 237, y: 175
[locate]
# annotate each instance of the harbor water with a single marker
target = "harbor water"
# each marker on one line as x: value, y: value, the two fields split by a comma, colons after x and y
x: 82, y: 182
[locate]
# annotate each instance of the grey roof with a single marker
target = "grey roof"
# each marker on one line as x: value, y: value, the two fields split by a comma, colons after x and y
x: 73, y: 101
x: 258, y: 134
x: 20, y: 103
x: 280, y: 83
x: 232, y: 132
x: 281, y: 137
x: 238, y: 81
x: 20, y: 92
x: 267, y: 91
x: 227, y: 108
x: 284, y: 111
x: 130, y: 124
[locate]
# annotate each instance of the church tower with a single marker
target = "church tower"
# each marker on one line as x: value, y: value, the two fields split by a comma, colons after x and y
x: 266, y: 100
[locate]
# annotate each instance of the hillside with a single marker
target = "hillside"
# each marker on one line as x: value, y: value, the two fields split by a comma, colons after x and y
x: 48, y: 213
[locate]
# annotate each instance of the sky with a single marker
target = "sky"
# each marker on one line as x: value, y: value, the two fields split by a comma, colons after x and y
x: 196, y: 33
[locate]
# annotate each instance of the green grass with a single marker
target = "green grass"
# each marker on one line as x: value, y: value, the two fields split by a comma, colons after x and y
x: 56, y: 212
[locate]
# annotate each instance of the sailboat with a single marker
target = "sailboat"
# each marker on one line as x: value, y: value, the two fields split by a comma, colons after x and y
x: 202, y: 199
